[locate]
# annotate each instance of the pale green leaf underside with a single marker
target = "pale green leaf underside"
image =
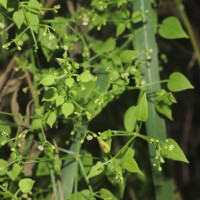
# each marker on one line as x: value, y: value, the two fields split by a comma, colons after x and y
x: 130, y: 119
x: 141, y: 111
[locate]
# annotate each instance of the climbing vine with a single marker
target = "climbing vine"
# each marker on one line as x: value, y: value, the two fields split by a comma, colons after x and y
x: 70, y: 62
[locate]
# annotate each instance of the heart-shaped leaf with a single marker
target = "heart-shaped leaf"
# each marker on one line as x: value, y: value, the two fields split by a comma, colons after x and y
x: 172, y: 151
x: 50, y: 95
x: 26, y: 185
x: 67, y: 109
x: 18, y: 18
x: 171, y: 29
x: 178, y: 82
x: 96, y: 169
x: 48, y: 80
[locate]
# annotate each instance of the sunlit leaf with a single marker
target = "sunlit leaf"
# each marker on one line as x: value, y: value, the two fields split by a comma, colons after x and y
x: 4, y: 3
x: 172, y: 151
x: 141, y: 111
x: 34, y: 4
x: 137, y: 17
x: 33, y: 21
x: 171, y: 29
x: 178, y: 82
x: 48, y: 80
x: 130, y: 119
x: 3, y: 167
x: 16, y: 169
x: 51, y: 118
x: 69, y: 82
x: 129, y: 163
x: 86, y: 77
x: 26, y: 185
x: 96, y: 170
x: 120, y: 29
x: 127, y: 56
x: 37, y: 123
x: 106, y: 194
x: 60, y: 100
x: 109, y: 45
x: 67, y: 109
x: 18, y: 18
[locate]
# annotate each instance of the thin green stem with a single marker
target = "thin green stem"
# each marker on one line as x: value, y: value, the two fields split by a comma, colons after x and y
x: 184, y: 17
x: 43, y: 140
x: 125, y: 146
x: 51, y: 171
x: 8, y: 193
x: 85, y: 176
x: 19, y: 115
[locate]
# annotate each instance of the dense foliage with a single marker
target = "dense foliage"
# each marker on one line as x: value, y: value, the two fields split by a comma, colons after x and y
x: 63, y: 64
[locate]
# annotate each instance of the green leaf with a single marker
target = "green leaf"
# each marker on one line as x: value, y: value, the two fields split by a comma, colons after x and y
x: 50, y: 94
x: 171, y: 150
x: 141, y: 111
x: 60, y: 100
x: 34, y: 4
x: 42, y: 169
x: 36, y: 123
x: 106, y: 136
x: 130, y: 119
x: 83, y: 195
x: 171, y: 29
x: 48, y: 80
x: 96, y: 170
x: 3, y: 167
x: 87, y: 161
x: 129, y: 163
x: 4, y: 3
x: 33, y: 21
x: 178, y: 82
x: 163, y: 102
x: 51, y: 118
x: 131, y: 166
x: 86, y: 77
x: 18, y: 18
x: 127, y: 56
x: 48, y: 42
x: 137, y: 17
x: 26, y: 185
x: 67, y: 109
x: 97, y: 46
x: 106, y: 194
x: 120, y: 29
x: 4, y: 127
x: 69, y: 82
x: 13, y: 174
x: 109, y: 45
